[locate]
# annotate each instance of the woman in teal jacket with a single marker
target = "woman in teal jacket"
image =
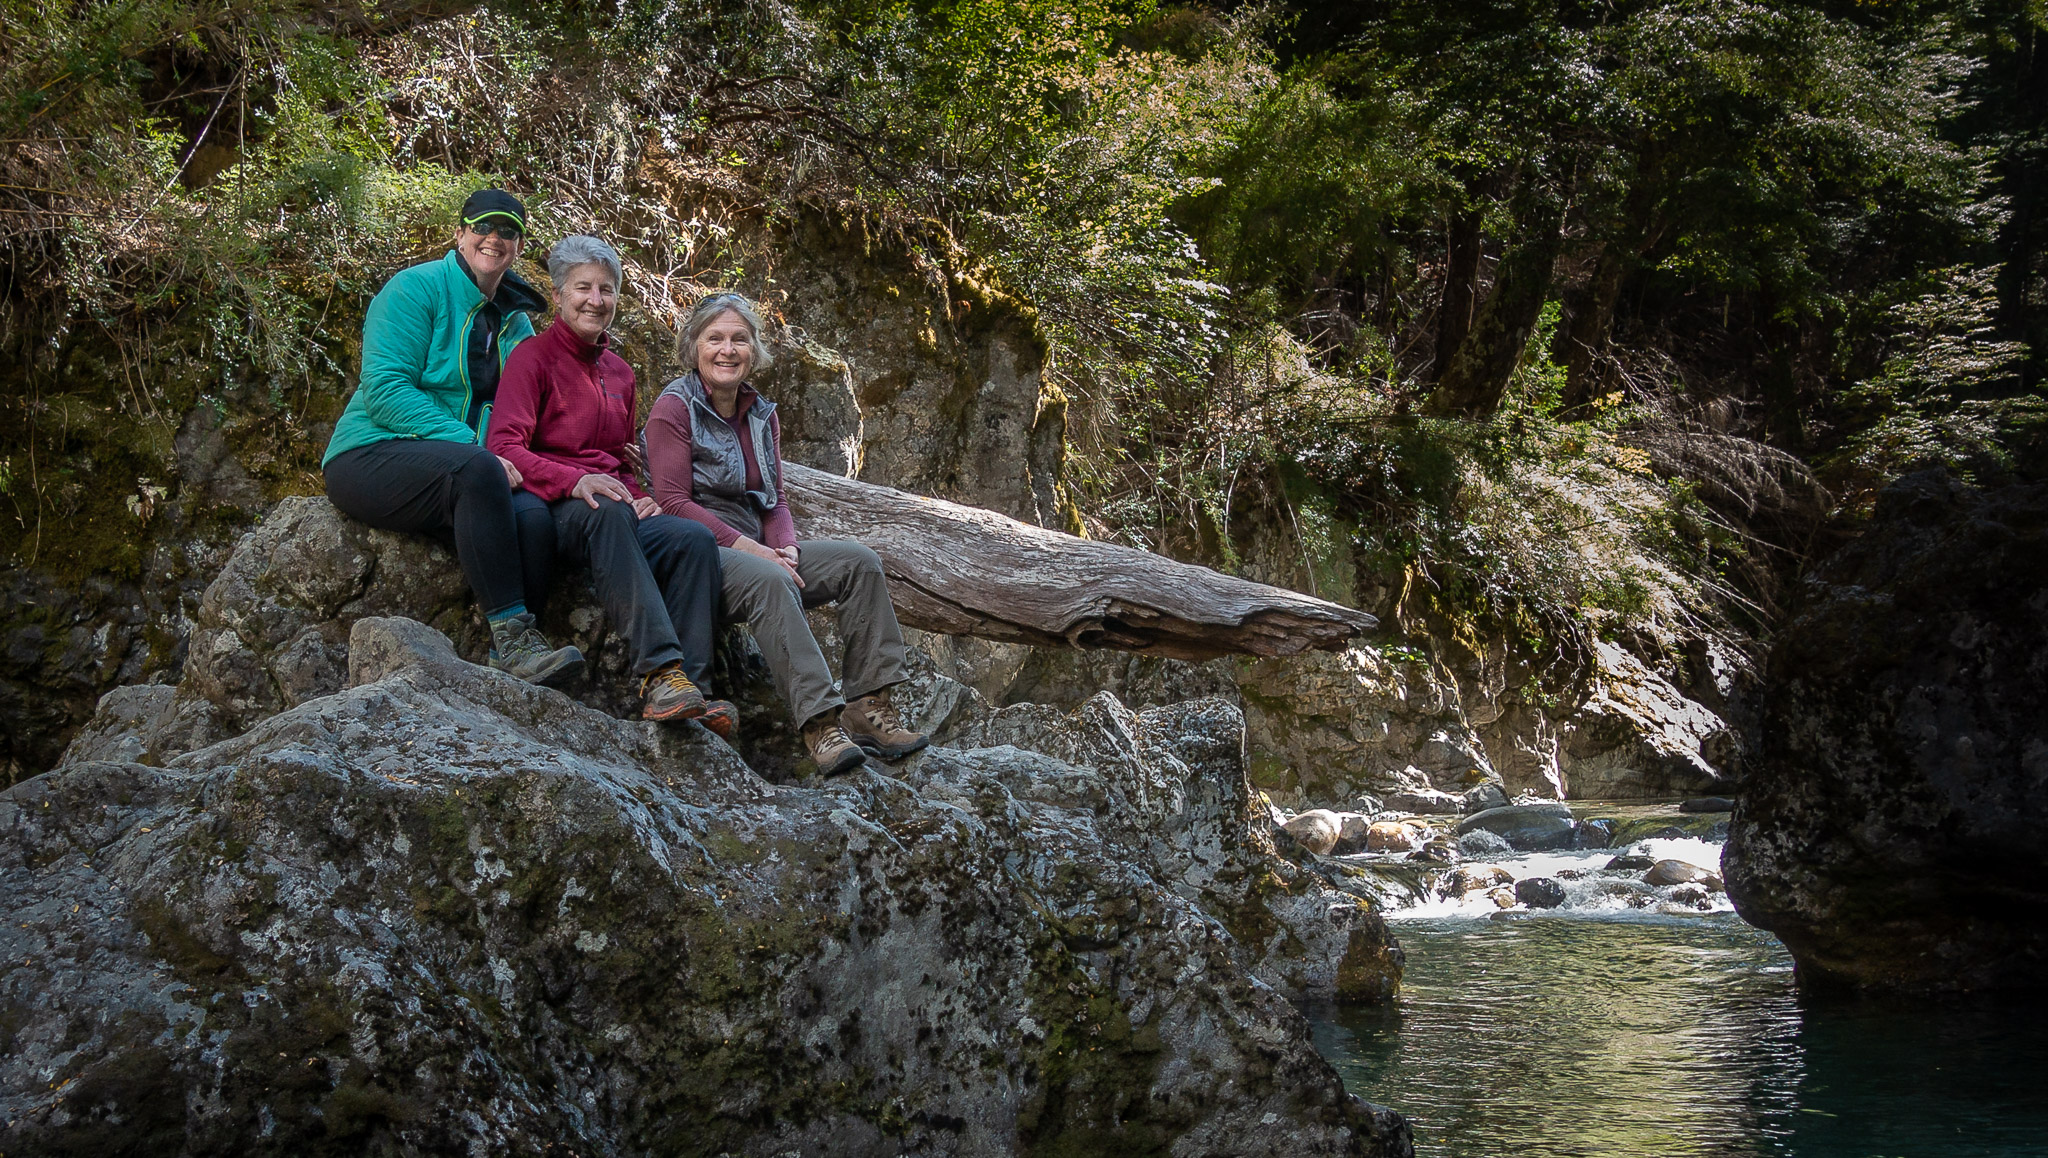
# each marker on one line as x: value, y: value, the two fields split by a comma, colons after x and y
x: 408, y: 452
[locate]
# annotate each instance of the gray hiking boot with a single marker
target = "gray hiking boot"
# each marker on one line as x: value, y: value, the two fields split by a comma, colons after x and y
x: 518, y: 647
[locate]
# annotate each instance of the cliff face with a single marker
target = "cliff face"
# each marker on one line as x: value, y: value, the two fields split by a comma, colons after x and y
x: 440, y: 909
x: 1894, y: 832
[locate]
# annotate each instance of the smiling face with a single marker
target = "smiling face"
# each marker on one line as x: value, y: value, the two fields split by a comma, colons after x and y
x: 725, y: 352
x: 488, y: 257
x: 587, y: 300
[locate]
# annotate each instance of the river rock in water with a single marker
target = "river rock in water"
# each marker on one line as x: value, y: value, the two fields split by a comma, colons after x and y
x: 1352, y: 827
x: 1472, y: 878
x: 1526, y: 827
x: 1318, y: 830
x: 1678, y: 872
x: 1481, y: 843
x: 1895, y: 835
x: 444, y: 911
x: 1482, y: 797
x: 1394, y: 836
x: 1539, y: 892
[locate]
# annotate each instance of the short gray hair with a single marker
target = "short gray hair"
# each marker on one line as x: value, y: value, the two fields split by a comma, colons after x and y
x: 710, y: 310
x: 583, y: 249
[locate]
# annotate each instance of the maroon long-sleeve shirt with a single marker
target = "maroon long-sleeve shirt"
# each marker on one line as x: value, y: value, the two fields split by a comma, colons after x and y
x: 564, y: 410
x: 668, y: 464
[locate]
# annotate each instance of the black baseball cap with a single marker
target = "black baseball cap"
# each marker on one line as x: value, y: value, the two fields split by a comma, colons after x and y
x: 493, y: 203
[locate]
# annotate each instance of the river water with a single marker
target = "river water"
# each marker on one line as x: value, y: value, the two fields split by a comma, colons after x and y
x: 1599, y: 1029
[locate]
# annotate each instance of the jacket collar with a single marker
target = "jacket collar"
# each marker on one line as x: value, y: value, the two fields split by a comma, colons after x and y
x: 515, y: 294
x: 749, y: 399
x: 572, y: 342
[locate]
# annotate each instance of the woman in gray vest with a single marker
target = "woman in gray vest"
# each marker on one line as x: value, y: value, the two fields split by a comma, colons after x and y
x: 714, y: 450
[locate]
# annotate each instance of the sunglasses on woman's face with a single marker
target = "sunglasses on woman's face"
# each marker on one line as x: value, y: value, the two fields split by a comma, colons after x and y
x: 504, y: 229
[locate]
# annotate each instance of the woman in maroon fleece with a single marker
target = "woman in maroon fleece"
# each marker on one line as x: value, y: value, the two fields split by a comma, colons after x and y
x: 714, y: 451
x: 563, y: 416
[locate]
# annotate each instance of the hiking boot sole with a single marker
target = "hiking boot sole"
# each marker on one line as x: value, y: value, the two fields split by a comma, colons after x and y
x: 890, y: 752
x: 721, y: 718
x: 682, y: 710
x: 849, y: 760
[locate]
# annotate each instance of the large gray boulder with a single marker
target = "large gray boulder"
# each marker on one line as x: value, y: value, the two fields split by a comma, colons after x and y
x: 440, y: 910
x: 1895, y: 833
x: 1526, y: 827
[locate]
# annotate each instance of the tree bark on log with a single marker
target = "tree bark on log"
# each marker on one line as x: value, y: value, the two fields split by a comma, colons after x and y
x: 965, y: 571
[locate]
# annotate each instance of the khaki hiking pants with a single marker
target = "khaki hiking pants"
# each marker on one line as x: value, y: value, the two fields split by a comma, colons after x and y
x: 760, y: 594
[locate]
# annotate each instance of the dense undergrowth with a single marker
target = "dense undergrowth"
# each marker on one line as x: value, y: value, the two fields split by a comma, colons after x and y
x: 1566, y: 320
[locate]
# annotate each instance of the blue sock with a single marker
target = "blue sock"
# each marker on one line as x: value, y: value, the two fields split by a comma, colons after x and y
x: 506, y: 612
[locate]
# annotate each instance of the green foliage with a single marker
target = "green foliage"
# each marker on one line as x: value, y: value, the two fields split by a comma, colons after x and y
x: 1944, y: 395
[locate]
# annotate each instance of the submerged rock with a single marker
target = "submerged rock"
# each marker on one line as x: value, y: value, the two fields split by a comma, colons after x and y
x: 1630, y: 862
x: 1526, y: 827
x: 1895, y: 835
x: 442, y: 910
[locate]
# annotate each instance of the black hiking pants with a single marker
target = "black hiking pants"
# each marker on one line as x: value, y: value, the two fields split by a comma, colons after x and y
x: 658, y: 578
x: 456, y: 493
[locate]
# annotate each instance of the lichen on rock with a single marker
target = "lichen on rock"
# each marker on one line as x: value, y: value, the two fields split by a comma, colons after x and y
x: 427, y: 907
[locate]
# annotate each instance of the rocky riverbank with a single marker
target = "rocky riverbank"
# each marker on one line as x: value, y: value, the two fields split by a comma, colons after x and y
x: 343, y: 890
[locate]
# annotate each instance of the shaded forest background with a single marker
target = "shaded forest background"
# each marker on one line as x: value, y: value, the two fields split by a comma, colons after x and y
x: 1546, y: 321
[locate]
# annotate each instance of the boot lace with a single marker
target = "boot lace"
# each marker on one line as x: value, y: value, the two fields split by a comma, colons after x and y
x: 882, y: 714
x: 668, y: 679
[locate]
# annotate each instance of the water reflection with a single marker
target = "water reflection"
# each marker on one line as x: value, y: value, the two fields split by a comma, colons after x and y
x: 1641, y: 1034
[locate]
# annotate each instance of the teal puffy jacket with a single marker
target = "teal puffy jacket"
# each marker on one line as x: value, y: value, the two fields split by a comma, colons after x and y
x: 415, y: 381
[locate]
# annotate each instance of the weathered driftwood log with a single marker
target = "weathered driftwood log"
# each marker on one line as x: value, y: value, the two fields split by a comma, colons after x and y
x: 966, y: 571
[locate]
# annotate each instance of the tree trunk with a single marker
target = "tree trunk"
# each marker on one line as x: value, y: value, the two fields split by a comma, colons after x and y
x: 1583, y: 337
x: 1479, y: 372
x: 966, y: 571
x: 1463, y: 246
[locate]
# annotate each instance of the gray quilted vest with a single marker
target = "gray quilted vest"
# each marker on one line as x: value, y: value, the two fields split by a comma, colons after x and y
x: 718, y: 470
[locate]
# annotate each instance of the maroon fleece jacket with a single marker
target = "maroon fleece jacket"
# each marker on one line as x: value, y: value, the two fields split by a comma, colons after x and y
x: 564, y: 410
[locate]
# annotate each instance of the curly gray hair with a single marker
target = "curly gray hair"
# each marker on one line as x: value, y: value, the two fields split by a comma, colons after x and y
x: 582, y: 249
x: 710, y: 310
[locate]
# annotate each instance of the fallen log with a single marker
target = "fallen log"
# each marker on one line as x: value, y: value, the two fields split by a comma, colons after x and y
x: 965, y: 571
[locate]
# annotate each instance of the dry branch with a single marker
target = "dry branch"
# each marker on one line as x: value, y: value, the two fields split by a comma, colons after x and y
x: 966, y: 571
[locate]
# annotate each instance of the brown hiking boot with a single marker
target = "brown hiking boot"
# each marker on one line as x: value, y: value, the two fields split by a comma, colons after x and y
x: 873, y: 723
x: 831, y: 748
x: 670, y: 695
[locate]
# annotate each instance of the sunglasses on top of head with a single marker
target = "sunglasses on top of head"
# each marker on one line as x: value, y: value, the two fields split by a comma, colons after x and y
x: 505, y: 229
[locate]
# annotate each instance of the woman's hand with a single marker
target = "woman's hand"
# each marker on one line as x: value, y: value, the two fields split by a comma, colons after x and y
x: 646, y: 507
x: 786, y: 557
x: 590, y: 486
x: 513, y: 478
x: 634, y: 458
